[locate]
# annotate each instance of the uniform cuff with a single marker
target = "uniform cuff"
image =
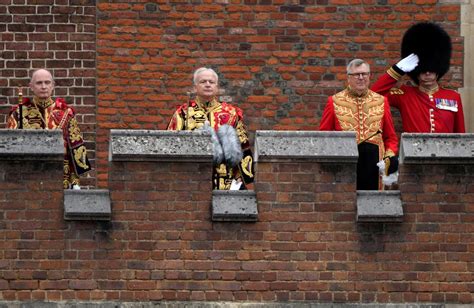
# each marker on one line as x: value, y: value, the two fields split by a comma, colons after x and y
x: 395, y: 72
x: 389, y: 153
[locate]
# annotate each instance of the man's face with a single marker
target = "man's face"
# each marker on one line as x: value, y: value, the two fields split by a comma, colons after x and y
x: 206, y: 86
x: 42, y: 84
x: 359, y: 78
x: 428, y: 80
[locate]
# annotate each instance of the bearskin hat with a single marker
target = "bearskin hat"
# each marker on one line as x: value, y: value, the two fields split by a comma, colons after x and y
x: 431, y: 44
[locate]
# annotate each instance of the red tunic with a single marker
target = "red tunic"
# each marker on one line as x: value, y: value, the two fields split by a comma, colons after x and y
x: 194, y: 114
x: 438, y: 112
x: 55, y: 114
x: 363, y: 126
x: 369, y: 116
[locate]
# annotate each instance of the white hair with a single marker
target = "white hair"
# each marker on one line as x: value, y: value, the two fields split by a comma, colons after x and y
x: 356, y: 63
x: 201, y: 70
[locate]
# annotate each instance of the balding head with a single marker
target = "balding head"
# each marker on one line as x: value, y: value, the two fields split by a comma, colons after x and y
x: 42, y: 83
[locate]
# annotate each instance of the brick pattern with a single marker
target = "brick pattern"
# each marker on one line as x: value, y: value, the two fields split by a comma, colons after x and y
x: 306, y: 246
x: 58, y: 35
x: 277, y: 60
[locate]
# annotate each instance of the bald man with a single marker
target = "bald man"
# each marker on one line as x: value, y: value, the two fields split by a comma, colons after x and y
x: 43, y: 112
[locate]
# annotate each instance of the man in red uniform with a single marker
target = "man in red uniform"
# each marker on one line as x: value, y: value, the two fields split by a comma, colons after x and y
x: 42, y: 112
x: 359, y: 109
x: 425, y: 108
x: 233, y: 161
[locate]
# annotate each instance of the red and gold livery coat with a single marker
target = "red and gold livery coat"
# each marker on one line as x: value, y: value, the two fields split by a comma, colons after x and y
x: 194, y: 114
x: 50, y: 114
x: 436, y: 111
x: 368, y: 115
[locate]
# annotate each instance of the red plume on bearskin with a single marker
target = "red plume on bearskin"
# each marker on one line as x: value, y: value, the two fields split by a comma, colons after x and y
x: 431, y: 44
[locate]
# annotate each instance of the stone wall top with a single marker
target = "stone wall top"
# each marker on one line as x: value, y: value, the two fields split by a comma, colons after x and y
x: 159, y: 145
x: 437, y: 148
x: 31, y: 144
x: 320, y: 146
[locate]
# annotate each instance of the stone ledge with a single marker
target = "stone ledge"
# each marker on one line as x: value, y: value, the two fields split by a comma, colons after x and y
x: 93, y: 204
x: 208, y: 304
x: 234, y: 205
x: 379, y: 206
x: 317, y: 146
x: 437, y: 148
x: 31, y: 144
x: 160, y: 145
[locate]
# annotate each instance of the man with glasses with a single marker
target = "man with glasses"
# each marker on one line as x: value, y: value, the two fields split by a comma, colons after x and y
x: 359, y: 109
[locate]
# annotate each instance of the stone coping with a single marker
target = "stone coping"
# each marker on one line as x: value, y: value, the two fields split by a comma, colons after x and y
x: 87, y: 204
x: 204, y: 304
x: 234, y: 205
x: 437, y: 148
x: 159, y: 145
x: 379, y: 206
x: 31, y: 144
x: 318, y: 146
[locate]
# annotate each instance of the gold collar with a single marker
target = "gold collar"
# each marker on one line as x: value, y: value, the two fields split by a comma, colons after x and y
x: 42, y: 103
x: 429, y: 91
x: 355, y: 94
x: 206, y: 105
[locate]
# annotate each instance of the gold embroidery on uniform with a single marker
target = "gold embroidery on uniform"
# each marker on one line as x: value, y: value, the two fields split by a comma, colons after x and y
x: 80, y: 156
x: 396, y: 91
x: 221, y: 170
x: 242, y: 133
x: 43, y: 104
x: 196, y: 118
x: 246, y: 165
x: 74, y: 132
x: 32, y: 118
x: 394, y: 74
x: 363, y: 115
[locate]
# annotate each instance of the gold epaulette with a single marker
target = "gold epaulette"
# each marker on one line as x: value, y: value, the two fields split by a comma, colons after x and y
x: 396, y: 91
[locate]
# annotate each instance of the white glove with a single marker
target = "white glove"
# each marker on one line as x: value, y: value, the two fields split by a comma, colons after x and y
x: 76, y: 187
x: 408, y: 63
x: 387, y: 179
x: 381, y: 165
x: 390, y: 179
x: 235, y: 185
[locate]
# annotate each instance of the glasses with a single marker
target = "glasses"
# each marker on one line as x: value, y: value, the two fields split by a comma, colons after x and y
x: 360, y: 75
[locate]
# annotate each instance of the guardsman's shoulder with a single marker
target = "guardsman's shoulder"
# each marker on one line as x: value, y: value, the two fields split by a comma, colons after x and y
x: 396, y: 91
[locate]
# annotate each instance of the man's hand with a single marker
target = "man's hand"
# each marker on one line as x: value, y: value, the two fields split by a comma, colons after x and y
x: 408, y: 63
x: 388, y: 168
x: 391, y: 164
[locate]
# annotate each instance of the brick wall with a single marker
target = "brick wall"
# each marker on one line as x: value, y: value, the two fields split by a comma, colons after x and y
x: 58, y: 35
x: 277, y: 60
x: 306, y: 246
